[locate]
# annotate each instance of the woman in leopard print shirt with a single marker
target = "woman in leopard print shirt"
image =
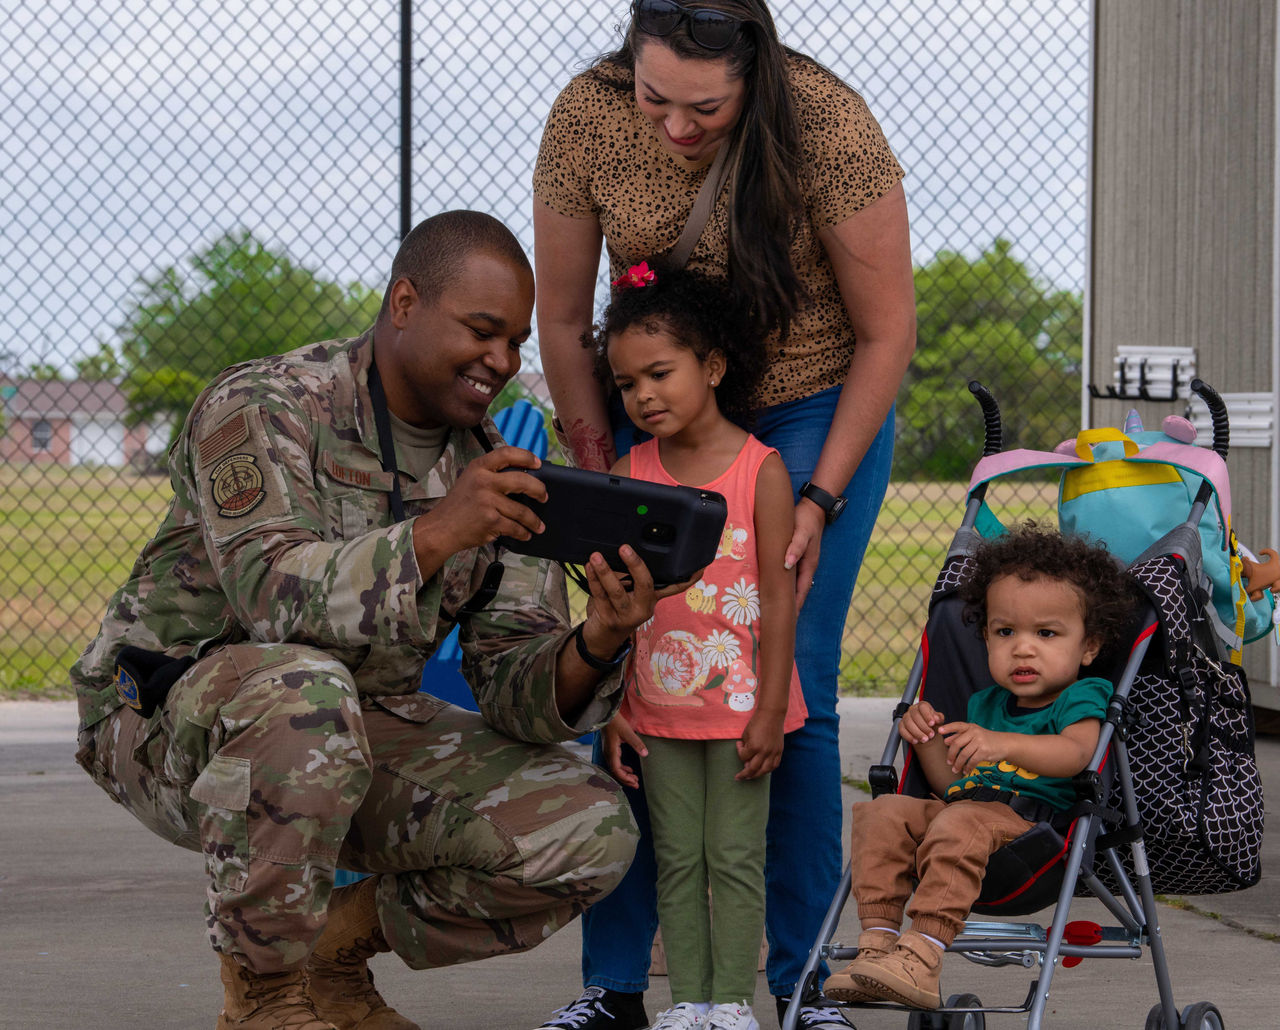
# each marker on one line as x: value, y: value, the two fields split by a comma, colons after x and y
x: 811, y: 233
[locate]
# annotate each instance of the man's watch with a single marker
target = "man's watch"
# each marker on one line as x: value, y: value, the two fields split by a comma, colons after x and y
x: 833, y: 506
x: 600, y: 664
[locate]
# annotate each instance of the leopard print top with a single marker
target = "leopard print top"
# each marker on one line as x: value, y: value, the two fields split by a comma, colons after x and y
x: 601, y: 158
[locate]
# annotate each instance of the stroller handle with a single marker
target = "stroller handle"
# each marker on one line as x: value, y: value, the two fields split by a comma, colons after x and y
x: 994, y: 441
x: 1218, y: 413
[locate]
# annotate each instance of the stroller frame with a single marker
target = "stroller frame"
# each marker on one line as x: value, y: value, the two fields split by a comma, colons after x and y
x: 1029, y: 944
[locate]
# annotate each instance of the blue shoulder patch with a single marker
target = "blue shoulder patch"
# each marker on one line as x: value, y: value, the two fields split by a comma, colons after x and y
x: 127, y: 688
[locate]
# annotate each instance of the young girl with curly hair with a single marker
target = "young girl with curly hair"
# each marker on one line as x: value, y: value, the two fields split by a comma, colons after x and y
x: 712, y: 686
x: 1047, y: 606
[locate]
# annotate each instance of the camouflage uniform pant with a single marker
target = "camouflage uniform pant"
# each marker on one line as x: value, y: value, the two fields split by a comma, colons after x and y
x: 265, y: 759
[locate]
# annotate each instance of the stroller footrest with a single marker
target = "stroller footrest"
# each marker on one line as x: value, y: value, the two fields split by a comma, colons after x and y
x: 986, y: 929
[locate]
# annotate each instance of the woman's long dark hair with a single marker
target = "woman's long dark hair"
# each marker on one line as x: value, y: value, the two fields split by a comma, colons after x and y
x: 767, y: 199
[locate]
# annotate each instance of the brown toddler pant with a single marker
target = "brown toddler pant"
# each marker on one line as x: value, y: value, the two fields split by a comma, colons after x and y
x: 945, y: 847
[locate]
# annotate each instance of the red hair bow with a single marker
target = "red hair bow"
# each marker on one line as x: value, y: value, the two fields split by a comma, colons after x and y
x: 635, y: 277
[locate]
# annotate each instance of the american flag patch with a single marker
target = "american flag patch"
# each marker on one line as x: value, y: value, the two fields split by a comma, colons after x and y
x: 233, y: 431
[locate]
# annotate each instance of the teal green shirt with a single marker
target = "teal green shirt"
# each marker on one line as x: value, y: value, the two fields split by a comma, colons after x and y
x: 997, y: 709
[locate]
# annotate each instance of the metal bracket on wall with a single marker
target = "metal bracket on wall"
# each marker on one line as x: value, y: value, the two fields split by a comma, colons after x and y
x: 1149, y: 374
x: 1252, y: 415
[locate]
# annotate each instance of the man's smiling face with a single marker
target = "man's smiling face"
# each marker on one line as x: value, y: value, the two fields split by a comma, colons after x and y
x: 449, y: 359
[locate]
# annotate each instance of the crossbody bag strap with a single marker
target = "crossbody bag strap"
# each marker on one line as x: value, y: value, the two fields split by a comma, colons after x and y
x: 703, y: 204
x: 386, y: 442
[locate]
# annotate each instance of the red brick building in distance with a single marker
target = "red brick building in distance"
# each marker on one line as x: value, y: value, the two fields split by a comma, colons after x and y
x: 71, y: 422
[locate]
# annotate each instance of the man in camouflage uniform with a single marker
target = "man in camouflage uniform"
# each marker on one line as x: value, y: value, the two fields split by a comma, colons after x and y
x: 293, y: 613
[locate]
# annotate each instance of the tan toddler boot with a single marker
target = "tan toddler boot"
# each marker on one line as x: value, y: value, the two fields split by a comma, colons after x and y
x: 872, y: 943
x: 265, y: 1001
x: 907, y: 975
x: 338, y: 976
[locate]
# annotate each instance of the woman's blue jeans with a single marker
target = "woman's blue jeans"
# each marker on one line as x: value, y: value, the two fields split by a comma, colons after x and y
x: 804, y: 855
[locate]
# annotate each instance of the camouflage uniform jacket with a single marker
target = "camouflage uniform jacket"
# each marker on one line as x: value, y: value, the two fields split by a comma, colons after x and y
x: 280, y: 531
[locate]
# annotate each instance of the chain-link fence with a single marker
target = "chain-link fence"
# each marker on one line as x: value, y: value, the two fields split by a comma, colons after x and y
x: 186, y: 185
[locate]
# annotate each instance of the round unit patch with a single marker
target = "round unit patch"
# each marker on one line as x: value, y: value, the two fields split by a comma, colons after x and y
x: 237, y: 485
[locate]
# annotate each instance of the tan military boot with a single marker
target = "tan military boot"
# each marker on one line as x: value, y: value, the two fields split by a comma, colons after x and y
x: 338, y: 976
x: 270, y: 1001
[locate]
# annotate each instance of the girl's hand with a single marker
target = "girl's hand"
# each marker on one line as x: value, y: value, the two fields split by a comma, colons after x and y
x: 760, y: 747
x: 616, y: 733
x: 968, y: 744
x: 919, y: 723
x: 805, y: 546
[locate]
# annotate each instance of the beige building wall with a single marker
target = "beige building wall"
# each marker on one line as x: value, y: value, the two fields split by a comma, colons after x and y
x: 1182, y: 250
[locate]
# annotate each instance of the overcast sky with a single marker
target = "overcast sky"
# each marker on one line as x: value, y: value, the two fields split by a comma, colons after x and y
x: 130, y: 137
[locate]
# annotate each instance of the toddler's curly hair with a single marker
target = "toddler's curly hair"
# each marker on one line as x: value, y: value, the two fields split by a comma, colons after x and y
x: 700, y: 313
x: 1029, y: 551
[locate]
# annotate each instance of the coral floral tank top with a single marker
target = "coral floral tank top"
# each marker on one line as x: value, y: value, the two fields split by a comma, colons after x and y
x: 693, y: 672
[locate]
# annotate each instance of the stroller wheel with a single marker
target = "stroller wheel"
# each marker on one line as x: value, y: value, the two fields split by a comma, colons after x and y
x: 951, y: 1020
x: 965, y: 1020
x: 1201, y: 1015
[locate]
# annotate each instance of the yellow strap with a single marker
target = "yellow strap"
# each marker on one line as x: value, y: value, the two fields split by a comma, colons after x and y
x: 1086, y: 440
x: 1238, y: 593
x: 1113, y: 475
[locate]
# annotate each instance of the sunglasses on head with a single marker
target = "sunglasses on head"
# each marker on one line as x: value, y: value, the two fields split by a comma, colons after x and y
x: 712, y: 30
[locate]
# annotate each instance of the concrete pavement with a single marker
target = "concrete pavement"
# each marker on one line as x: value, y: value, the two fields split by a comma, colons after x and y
x: 101, y: 925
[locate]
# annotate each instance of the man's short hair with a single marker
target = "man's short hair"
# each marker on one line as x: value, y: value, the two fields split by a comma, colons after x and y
x: 432, y: 254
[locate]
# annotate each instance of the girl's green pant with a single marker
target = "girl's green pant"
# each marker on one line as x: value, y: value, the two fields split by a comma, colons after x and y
x: 708, y: 833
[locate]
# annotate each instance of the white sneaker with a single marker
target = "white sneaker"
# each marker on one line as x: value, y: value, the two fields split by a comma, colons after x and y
x: 684, y: 1016
x: 732, y: 1015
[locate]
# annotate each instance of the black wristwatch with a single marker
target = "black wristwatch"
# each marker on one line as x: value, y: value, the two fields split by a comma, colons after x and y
x: 600, y: 664
x: 833, y: 506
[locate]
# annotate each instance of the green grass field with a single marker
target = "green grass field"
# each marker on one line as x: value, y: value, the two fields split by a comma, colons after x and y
x: 68, y: 538
x: 890, y: 603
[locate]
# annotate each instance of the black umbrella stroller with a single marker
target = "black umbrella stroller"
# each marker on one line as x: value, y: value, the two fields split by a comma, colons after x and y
x: 1171, y: 801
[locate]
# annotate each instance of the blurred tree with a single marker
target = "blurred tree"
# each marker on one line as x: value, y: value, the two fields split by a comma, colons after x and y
x: 986, y: 319
x: 513, y: 391
x: 102, y: 365
x: 44, y: 372
x: 164, y: 395
x: 236, y: 300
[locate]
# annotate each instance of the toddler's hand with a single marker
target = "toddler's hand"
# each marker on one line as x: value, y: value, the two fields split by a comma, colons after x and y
x: 968, y: 744
x: 919, y: 722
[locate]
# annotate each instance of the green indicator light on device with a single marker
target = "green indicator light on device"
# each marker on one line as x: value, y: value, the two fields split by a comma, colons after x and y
x: 642, y: 509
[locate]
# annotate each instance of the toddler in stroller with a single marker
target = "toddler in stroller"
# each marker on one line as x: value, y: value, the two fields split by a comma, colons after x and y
x: 1047, y: 606
x: 1170, y: 800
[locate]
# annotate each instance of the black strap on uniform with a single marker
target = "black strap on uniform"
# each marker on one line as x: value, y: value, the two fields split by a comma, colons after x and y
x: 488, y: 589
x: 386, y: 442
